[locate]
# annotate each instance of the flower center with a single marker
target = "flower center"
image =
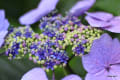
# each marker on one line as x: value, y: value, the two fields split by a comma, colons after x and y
x: 108, y: 68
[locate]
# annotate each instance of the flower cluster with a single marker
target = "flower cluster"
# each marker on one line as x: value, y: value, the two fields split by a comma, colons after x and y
x: 39, y: 47
x: 49, y: 48
x: 48, y: 54
x: 17, y: 42
x: 69, y: 31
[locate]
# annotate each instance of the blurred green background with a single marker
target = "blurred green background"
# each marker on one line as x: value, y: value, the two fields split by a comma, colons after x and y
x: 13, y: 70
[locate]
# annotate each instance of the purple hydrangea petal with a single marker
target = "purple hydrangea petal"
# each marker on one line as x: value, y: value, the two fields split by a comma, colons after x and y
x: 45, y: 7
x: 102, y: 63
x: 114, y: 25
x: 96, y: 22
x: 91, y: 64
x: 3, y: 34
x: 72, y: 77
x: 115, y: 71
x: 48, y: 4
x: 115, y: 52
x: 81, y: 6
x: 95, y: 61
x: 103, y: 75
x: 103, y: 19
x: 103, y: 16
x: 30, y: 17
x: 104, y: 40
x: 1, y: 42
x: 35, y: 74
x: 2, y: 16
x: 114, y: 74
x: 4, y: 24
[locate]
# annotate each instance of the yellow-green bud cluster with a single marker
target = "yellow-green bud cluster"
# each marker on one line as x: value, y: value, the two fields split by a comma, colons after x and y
x: 18, y: 41
x: 40, y: 48
x: 68, y: 31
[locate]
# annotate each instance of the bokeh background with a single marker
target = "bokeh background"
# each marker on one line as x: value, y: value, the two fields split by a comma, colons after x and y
x: 14, y: 69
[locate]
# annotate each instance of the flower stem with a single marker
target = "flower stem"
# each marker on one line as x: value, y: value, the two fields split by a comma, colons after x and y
x: 53, y: 76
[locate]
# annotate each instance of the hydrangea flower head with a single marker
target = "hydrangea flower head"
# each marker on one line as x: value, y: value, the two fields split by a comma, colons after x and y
x: 39, y: 74
x: 103, y: 61
x: 4, y: 24
x: 49, y: 48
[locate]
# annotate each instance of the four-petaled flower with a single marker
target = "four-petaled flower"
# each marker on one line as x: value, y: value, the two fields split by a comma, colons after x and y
x: 103, y: 61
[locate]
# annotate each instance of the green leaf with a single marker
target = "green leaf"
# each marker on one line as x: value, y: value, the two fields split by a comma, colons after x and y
x: 14, y: 69
x: 35, y: 28
x: 64, y: 5
x: 60, y: 73
x: 69, y: 51
x: 77, y: 67
x: 112, y: 6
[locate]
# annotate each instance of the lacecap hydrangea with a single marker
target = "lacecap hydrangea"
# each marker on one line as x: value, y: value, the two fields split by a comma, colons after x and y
x: 49, y: 48
x: 68, y: 31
